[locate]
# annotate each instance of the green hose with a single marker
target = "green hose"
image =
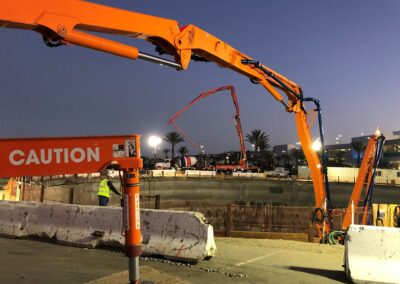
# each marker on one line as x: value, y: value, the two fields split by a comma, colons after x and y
x: 335, y: 237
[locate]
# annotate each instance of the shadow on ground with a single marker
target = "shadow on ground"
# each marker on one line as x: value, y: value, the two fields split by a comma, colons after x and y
x: 339, y: 276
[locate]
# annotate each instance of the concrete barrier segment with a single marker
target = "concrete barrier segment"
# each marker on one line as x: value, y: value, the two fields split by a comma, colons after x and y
x: 372, y: 254
x: 248, y: 175
x: 14, y: 219
x: 178, y: 234
x: 194, y: 173
x: 173, y: 234
x: 163, y: 173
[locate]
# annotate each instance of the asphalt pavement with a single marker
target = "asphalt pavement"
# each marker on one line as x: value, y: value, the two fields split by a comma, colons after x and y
x: 237, y: 261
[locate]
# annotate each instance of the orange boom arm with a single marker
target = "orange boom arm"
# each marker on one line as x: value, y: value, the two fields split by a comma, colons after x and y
x: 72, y: 21
x: 365, y: 179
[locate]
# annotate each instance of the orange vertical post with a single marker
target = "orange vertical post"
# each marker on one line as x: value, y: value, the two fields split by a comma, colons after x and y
x: 131, y: 211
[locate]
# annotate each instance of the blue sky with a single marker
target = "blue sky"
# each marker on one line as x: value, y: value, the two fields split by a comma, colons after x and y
x: 345, y: 53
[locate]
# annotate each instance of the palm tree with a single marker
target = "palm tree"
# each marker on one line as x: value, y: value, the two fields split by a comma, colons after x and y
x: 173, y: 138
x: 287, y: 160
x: 260, y: 141
x: 298, y: 156
x: 183, y: 151
x: 278, y: 159
x: 165, y: 152
x: 359, y: 147
x: 340, y: 157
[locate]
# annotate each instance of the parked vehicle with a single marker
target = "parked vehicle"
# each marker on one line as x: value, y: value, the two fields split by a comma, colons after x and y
x: 166, y: 164
x: 278, y: 172
x: 187, y: 162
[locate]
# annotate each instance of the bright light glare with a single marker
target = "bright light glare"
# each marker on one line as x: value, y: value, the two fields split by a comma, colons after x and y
x: 317, y: 146
x: 377, y: 132
x: 154, y: 141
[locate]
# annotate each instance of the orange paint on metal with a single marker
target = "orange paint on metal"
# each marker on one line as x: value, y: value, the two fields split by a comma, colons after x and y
x: 131, y: 209
x: 71, y: 20
x: 71, y: 155
x: 238, y: 124
x: 364, y: 178
x: 314, y: 164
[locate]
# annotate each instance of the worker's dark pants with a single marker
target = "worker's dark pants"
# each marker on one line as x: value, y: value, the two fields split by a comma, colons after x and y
x: 103, y: 201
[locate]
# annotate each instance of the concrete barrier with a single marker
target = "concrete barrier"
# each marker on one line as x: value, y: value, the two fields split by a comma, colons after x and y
x: 156, y: 173
x: 193, y: 173
x: 372, y: 254
x: 174, y: 234
x: 169, y: 173
x: 248, y: 175
x: 177, y: 234
x: 163, y: 173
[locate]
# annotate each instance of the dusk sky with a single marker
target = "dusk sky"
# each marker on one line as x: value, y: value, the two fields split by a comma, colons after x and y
x: 346, y: 53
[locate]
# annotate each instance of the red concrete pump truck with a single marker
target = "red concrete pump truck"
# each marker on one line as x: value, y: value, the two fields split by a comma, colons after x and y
x: 242, y: 165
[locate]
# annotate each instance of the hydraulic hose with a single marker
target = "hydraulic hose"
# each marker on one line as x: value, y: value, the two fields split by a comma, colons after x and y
x: 396, y: 217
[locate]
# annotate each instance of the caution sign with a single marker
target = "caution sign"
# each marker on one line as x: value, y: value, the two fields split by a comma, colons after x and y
x: 66, y: 155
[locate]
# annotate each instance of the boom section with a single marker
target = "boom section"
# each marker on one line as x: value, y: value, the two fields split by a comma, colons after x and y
x: 365, y: 180
x: 238, y: 125
x: 70, y: 21
x: 64, y: 22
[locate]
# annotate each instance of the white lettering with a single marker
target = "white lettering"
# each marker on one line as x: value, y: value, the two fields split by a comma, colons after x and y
x: 32, y: 158
x: 43, y: 156
x: 73, y: 155
x: 58, y: 154
x: 93, y: 154
x: 66, y: 155
x: 12, y: 155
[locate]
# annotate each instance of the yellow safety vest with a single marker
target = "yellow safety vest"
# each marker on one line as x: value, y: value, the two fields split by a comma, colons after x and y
x: 104, y: 190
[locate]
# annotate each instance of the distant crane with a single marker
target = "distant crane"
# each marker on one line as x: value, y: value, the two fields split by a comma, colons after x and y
x: 243, y: 158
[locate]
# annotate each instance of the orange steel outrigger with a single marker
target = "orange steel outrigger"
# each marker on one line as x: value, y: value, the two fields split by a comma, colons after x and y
x: 238, y: 125
x: 66, y: 22
x: 366, y: 176
x: 72, y: 155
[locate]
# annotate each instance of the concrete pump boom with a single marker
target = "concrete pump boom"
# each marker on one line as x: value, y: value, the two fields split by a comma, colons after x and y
x: 366, y: 176
x: 238, y: 125
x: 66, y: 22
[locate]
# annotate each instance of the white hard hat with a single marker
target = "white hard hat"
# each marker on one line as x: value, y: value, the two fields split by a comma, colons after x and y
x: 111, y: 173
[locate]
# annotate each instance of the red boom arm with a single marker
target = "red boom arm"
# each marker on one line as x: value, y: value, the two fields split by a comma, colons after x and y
x: 238, y: 124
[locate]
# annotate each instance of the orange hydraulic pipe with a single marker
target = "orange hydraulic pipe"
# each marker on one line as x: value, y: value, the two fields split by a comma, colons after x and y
x: 102, y: 44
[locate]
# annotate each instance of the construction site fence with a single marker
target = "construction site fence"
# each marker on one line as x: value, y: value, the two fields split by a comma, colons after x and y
x: 246, y: 217
x: 227, y: 219
x: 335, y: 174
x: 65, y: 191
x: 339, y: 174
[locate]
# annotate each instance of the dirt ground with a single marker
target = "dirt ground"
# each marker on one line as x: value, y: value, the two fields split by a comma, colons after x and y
x: 237, y: 261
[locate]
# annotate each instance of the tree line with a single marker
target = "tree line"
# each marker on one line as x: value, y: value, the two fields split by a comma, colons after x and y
x: 260, y: 154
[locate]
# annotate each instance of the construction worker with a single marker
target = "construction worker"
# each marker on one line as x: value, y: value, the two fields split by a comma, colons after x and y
x: 104, y: 188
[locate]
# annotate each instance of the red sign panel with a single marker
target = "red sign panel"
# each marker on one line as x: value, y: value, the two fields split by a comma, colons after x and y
x: 72, y: 155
